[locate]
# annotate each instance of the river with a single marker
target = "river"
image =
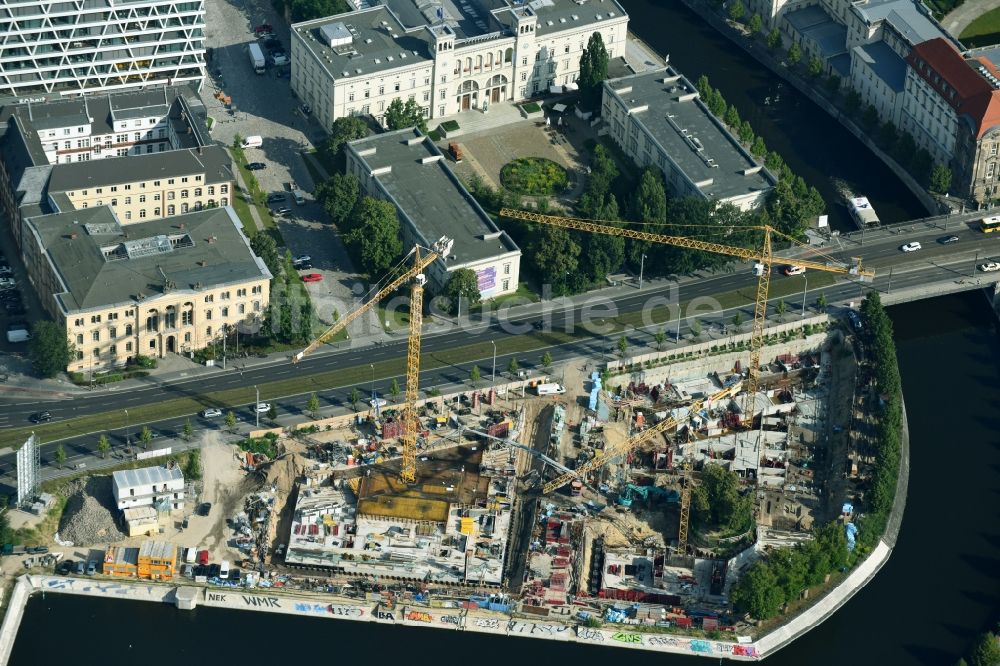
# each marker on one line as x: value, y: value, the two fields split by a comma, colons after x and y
x: 812, y: 143
x: 938, y: 590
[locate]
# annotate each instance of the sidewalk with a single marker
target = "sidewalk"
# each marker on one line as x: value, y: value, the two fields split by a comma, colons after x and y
x: 959, y: 18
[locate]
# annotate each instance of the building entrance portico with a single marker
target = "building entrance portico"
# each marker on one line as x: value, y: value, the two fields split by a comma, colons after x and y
x: 496, y: 89
x: 468, y: 96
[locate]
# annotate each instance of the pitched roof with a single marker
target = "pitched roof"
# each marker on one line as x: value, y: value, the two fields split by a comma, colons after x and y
x: 940, y: 64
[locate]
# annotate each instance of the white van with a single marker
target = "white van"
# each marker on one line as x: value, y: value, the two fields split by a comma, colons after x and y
x: 299, y: 196
x: 550, y: 389
x: 18, y: 335
x: 253, y: 142
x: 224, y: 569
x: 190, y: 555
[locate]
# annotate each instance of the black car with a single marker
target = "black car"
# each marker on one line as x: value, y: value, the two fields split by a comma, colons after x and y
x: 205, y: 508
x: 947, y: 240
x: 65, y: 567
x: 304, y: 266
x: 277, y: 197
x: 214, y: 570
x: 40, y: 417
x: 37, y: 550
x: 256, y: 166
x: 15, y: 308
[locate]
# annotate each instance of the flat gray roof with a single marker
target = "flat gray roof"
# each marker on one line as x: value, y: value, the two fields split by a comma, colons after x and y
x: 146, y: 476
x: 909, y: 17
x: 430, y: 196
x: 814, y: 23
x: 665, y: 118
x: 401, y: 32
x: 213, y: 161
x: 885, y: 62
x: 101, y: 263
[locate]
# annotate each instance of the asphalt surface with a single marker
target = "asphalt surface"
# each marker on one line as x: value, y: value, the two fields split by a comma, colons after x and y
x: 934, y: 263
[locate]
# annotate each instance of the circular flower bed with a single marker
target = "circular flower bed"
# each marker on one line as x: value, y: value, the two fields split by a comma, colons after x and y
x: 533, y: 176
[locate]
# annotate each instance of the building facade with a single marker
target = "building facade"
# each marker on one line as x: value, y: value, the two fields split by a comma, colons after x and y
x: 448, y: 58
x: 406, y: 168
x: 173, y: 285
x: 149, y: 486
x: 952, y: 109
x: 658, y: 119
x: 71, y: 47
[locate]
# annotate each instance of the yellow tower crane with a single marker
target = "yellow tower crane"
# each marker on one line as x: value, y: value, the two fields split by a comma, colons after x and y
x: 764, y: 260
x: 408, y: 473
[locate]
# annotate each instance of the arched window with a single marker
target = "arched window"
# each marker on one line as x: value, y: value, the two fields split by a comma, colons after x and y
x: 508, y: 55
x: 489, y: 59
x: 479, y: 62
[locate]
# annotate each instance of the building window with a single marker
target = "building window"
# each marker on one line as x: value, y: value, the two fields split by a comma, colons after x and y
x: 242, y: 308
x: 187, y: 337
x: 184, y: 194
x: 152, y: 344
x: 142, y: 213
x: 128, y: 329
x: 506, y: 269
x: 506, y: 285
x: 79, y: 338
x: 113, y: 332
x: 170, y: 209
x: 113, y: 349
x: 187, y: 318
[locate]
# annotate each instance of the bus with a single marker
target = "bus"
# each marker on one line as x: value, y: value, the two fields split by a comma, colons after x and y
x: 989, y: 224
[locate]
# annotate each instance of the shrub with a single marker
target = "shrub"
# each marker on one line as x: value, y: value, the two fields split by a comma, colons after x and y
x: 533, y: 176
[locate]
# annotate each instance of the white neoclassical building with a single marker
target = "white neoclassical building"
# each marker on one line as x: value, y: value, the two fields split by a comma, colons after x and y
x: 447, y: 55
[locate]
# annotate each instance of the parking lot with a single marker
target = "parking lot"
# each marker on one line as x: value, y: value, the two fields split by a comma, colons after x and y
x: 263, y: 105
x: 20, y: 307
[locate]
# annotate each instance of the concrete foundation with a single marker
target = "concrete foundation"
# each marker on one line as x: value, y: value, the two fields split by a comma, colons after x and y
x: 186, y: 598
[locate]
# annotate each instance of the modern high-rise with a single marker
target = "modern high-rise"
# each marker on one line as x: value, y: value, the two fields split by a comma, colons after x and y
x: 78, y: 46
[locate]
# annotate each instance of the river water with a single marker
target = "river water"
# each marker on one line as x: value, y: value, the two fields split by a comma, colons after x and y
x: 939, y: 588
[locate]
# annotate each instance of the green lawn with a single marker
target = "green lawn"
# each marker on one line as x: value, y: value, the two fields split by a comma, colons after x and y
x: 243, y: 212
x: 984, y: 31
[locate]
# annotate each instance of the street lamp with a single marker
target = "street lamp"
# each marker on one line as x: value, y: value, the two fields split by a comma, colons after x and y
x: 127, y: 428
x: 804, y: 290
x: 493, y: 376
x: 256, y: 405
x: 642, y: 265
x: 372, y: 366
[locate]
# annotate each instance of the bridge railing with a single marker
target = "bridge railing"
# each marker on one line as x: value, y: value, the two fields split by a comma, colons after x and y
x: 942, y: 222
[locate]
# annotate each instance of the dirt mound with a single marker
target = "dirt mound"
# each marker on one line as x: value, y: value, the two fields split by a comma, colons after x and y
x: 90, y: 514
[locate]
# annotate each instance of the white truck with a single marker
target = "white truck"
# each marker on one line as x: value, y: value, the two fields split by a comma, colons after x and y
x: 257, y: 58
x: 550, y: 389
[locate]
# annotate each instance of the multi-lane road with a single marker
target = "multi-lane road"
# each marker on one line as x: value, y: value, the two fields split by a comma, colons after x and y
x: 935, y: 263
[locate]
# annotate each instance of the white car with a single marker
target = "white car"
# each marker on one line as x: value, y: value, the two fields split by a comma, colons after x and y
x: 795, y: 270
x: 7, y: 283
x: 989, y: 267
x: 378, y: 402
x: 262, y: 407
x: 212, y: 413
x: 302, y: 259
x: 911, y: 247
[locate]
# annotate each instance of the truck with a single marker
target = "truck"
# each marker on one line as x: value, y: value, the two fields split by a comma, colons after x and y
x: 257, y: 58
x: 550, y: 389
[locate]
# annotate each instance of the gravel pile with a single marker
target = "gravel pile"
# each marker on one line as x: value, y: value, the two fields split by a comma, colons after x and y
x: 90, y: 513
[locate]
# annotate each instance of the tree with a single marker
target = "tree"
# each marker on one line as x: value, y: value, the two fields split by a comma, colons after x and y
x: 780, y: 308
x: 736, y: 10
x: 307, y: 10
x: 60, y: 455
x: 833, y: 84
x: 622, y: 345
x: 339, y: 196
x: 853, y: 101
x: 474, y: 375
x: 400, y: 115
x: 394, y: 389
x: 985, y: 652
x: 732, y: 118
x: 50, y: 350
x: 345, y: 129
x: 814, y: 67
x: 512, y: 366
x: 593, y: 71
x: 773, y: 39
x: 738, y: 319
x: 374, y: 237
x: 746, y: 133
x: 941, y: 179
x: 193, y: 468
x: 794, y: 54
x: 238, y: 141
x: 553, y: 257
x: 263, y: 246
x: 146, y: 436
x: 757, y: 592
x: 759, y: 148
x: 696, y: 328
x: 272, y: 413
x: 821, y: 302
x: 905, y: 149
x: 231, y: 420
x: 188, y: 429
x: 870, y: 117
x: 546, y: 360
x: 103, y: 445
x: 755, y: 24
x: 354, y: 398
x: 313, y: 405
x: 660, y: 336
x: 462, y: 287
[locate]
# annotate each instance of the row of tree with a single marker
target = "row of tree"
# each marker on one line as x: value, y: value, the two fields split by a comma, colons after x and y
x: 985, y: 651
x: 781, y: 577
x: 878, y: 328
